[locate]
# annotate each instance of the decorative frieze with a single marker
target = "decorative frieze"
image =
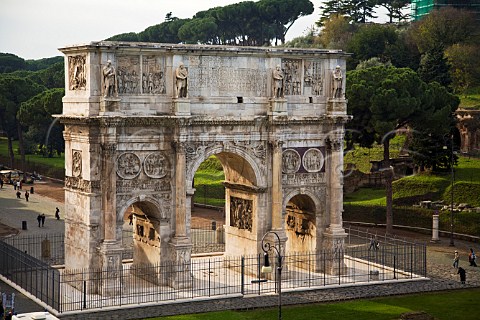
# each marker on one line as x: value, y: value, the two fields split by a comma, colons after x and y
x: 303, y: 160
x: 241, y: 213
x: 313, y: 160
x: 301, y: 179
x: 128, y: 186
x: 76, y: 183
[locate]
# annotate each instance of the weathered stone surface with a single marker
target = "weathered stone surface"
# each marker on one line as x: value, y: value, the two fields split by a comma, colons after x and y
x: 135, y: 138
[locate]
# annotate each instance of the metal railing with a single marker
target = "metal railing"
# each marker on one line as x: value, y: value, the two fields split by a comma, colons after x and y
x: 71, y: 290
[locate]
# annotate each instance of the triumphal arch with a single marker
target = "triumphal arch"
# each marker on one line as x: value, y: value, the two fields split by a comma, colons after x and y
x: 141, y: 117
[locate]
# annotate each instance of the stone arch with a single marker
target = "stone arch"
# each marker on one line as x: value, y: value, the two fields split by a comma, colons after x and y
x: 146, y: 201
x: 303, y: 217
x: 260, y: 179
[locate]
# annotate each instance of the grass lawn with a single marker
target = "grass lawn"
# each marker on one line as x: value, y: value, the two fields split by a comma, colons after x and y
x: 446, y: 305
x: 55, y: 162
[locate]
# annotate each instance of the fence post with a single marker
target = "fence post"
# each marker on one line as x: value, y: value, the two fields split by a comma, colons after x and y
x: 84, y: 294
x: 242, y: 276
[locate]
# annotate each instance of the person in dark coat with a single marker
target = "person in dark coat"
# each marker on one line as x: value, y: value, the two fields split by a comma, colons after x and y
x: 463, y: 275
x: 39, y: 219
x: 26, y: 195
x: 43, y: 219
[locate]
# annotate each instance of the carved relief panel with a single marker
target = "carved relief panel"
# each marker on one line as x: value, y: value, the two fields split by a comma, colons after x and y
x: 76, y: 163
x: 241, y: 213
x: 77, y: 79
x: 313, y: 78
x: 128, y: 165
x: 303, y: 166
x: 146, y: 171
x: 128, y: 74
x: 293, y: 76
x: 153, y: 75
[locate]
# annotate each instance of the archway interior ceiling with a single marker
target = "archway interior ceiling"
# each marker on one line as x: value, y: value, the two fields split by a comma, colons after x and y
x: 237, y: 170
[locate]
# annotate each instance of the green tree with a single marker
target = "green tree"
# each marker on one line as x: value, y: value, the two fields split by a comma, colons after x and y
x: 10, y: 62
x: 464, y: 62
x: 443, y: 28
x: 383, y: 100
x: 372, y: 40
x: 434, y: 67
x: 331, y: 9
x: 433, y: 128
x: 36, y: 114
x: 282, y: 14
x: 395, y: 9
x: 14, y: 91
x: 337, y: 32
x: 203, y: 30
x: 361, y: 11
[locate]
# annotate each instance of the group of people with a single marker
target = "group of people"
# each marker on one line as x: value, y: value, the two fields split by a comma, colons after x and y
x: 472, y: 259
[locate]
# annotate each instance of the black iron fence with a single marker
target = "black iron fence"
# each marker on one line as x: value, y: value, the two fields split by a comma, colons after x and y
x: 71, y: 290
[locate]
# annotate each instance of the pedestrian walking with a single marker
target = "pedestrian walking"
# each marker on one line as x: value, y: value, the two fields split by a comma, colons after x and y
x: 57, y: 213
x: 472, y: 258
x: 374, y: 244
x: 456, y: 259
x: 19, y: 184
x: 1, y: 183
x: 43, y: 219
x: 39, y: 219
x: 26, y: 195
x: 463, y: 275
x: 14, y: 185
x: 19, y: 194
x: 130, y: 218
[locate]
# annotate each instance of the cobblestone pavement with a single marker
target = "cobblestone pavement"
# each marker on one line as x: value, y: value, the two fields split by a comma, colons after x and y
x: 441, y: 274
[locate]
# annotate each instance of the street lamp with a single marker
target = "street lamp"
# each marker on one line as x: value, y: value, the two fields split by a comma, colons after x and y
x: 266, y: 268
x: 452, y: 178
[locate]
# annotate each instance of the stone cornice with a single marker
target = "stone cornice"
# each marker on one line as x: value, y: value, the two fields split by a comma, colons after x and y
x: 148, y: 48
x: 243, y: 187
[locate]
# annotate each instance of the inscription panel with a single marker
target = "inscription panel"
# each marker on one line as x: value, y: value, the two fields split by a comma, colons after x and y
x: 220, y: 76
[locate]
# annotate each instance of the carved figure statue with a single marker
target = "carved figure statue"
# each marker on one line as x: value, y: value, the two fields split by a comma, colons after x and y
x: 277, y: 82
x: 109, y: 80
x: 337, y: 86
x: 181, y: 74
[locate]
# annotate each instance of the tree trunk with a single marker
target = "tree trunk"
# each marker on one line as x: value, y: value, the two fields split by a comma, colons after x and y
x: 388, y: 173
x: 21, y: 146
x: 10, y: 151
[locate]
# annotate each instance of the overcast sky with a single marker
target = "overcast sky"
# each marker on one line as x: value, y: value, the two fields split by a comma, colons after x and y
x: 34, y: 29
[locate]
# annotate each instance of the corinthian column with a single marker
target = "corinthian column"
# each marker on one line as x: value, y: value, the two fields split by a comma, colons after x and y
x: 180, y: 191
x: 277, y: 194
x: 108, y: 187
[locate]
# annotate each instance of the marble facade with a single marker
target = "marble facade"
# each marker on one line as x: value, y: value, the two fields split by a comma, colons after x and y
x: 137, y: 128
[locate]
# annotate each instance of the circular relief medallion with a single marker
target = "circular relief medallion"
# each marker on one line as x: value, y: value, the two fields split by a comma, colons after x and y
x: 128, y: 165
x: 290, y: 161
x: 155, y: 165
x: 313, y: 160
x: 76, y: 163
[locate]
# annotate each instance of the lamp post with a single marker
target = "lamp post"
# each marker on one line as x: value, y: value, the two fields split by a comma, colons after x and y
x: 266, y: 247
x: 452, y: 179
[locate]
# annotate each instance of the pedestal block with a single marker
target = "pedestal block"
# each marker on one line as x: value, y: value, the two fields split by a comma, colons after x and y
x: 278, y: 107
x: 181, y: 253
x: 181, y: 107
x: 111, y: 252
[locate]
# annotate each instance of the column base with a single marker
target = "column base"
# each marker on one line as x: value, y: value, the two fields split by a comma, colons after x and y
x: 111, y: 253
x: 335, y: 250
x: 180, y: 257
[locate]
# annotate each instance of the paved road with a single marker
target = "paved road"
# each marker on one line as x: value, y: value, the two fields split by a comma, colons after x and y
x: 439, y: 265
